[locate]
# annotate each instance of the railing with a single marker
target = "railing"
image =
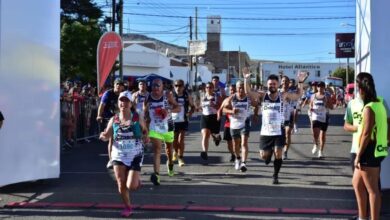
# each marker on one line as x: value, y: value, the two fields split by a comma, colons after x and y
x: 78, y: 120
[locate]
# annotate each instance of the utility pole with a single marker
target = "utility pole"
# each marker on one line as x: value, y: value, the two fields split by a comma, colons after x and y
x: 239, y: 62
x: 228, y: 68
x: 347, y: 72
x: 113, y: 16
x: 190, y: 40
x: 121, y: 34
x: 196, y: 38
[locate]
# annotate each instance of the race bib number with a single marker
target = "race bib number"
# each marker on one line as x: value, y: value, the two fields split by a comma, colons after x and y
x: 126, y: 145
x: 160, y: 126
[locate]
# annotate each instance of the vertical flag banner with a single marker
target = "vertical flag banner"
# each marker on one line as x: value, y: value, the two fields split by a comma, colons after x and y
x: 109, y: 46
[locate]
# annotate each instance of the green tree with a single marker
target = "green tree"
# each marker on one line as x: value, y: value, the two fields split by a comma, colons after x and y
x: 80, y: 33
x: 342, y: 72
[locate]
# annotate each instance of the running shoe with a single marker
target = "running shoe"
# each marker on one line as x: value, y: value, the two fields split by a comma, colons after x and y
x: 275, y: 179
x: 315, y: 149
x: 243, y: 167
x: 174, y: 156
x: 181, y: 162
x: 237, y: 164
x: 204, y: 155
x: 126, y: 212
x: 109, y: 165
x: 170, y: 169
x: 232, y: 158
x: 155, y: 179
x: 320, y: 154
x: 284, y: 156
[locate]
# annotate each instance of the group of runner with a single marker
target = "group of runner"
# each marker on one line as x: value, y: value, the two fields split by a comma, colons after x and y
x: 161, y: 118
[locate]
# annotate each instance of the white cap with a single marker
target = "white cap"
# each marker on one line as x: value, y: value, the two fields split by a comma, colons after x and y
x: 126, y: 94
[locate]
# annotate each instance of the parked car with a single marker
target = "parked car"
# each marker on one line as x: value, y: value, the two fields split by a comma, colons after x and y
x: 349, y: 93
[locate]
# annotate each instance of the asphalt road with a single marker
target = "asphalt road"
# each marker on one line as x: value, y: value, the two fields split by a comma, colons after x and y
x: 309, y: 188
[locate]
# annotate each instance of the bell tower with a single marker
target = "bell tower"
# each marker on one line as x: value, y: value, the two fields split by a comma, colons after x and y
x: 213, y: 34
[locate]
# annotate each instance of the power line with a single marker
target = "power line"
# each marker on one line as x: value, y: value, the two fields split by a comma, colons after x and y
x: 244, y: 34
x: 165, y: 31
x: 242, y: 3
x: 260, y: 7
x: 248, y: 18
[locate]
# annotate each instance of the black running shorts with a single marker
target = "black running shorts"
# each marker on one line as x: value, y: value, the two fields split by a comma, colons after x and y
x: 181, y: 126
x: 368, y: 158
x: 210, y: 122
x: 135, y: 164
x: 226, y: 134
x: 321, y: 125
x: 268, y: 143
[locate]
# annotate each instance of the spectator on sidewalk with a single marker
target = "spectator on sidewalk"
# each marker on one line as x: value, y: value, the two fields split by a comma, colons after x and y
x: 372, y: 149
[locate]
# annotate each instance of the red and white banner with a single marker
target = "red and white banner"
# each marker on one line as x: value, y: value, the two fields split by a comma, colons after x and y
x: 109, y: 46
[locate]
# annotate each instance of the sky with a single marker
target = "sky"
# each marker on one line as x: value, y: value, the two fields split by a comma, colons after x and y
x: 282, y: 30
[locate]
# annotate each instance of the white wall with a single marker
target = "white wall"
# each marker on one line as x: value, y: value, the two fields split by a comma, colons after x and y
x: 29, y: 90
x: 372, y: 55
x: 291, y: 69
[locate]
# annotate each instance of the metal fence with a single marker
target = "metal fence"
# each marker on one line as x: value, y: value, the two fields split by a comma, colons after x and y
x: 78, y: 120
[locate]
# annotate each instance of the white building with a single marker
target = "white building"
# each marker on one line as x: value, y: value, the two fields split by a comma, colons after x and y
x: 318, y: 71
x: 140, y: 61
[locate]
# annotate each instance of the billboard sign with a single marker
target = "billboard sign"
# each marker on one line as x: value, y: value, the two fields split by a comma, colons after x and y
x: 345, y: 45
x: 197, y: 47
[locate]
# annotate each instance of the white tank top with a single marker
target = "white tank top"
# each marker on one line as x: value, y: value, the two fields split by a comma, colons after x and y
x: 157, y: 122
x: 125, y: 147
x: 319, y: 109
x: 272, y: 116
x: 207, y: 109
x: 140, y: 99
x: 180, y: 116
x: 237, y: 121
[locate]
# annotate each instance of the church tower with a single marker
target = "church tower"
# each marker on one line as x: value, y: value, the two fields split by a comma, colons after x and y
x: 213, y: 34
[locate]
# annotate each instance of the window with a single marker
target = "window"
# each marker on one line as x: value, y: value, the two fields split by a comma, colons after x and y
x: 212, y: 21
x: 318, y: 73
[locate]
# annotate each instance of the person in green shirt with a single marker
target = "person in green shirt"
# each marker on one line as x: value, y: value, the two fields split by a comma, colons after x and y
x: 372, y: 148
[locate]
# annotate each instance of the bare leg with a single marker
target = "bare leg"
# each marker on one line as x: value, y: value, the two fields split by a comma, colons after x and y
x: 157, y: 154
x: 176, y: 142
x: 371, y: 181
x: 121, y: 178
x: 244, y: 147
x: 133, y: 180
x: 181, y: 143
x: 322, y: 139
x: 360, y: 193
x: 237, y: 147
x: 205, y: 139
x: 168, y: 152
x: 288, y: 138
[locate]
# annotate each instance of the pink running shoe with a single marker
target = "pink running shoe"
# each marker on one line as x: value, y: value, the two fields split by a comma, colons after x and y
x: 126, y: 212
